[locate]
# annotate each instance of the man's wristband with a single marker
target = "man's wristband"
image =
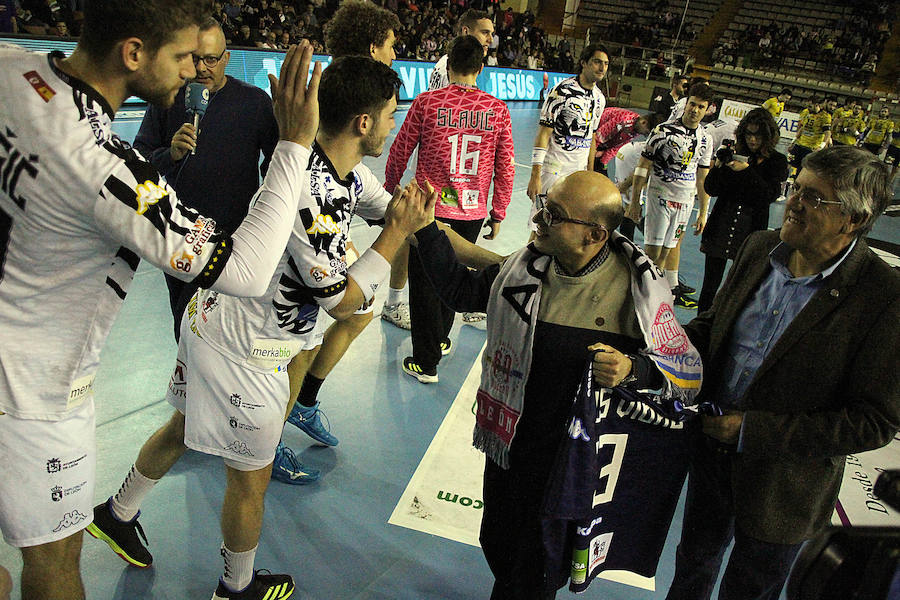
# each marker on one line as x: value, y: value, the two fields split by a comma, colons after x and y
x: 537, y: 155
x: 369, y: 271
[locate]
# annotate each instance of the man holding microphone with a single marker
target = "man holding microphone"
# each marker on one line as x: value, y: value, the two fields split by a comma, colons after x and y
x: 218, y: 174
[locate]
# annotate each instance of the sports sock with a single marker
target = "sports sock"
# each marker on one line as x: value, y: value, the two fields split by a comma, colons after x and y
x: 309, y: 391
x: 238, y: 568
x: 672, y: 278
x: 127, y: 501
x: 395, y: 296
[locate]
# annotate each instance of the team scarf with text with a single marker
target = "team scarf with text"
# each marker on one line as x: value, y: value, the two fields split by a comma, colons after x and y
x: 512, y: 317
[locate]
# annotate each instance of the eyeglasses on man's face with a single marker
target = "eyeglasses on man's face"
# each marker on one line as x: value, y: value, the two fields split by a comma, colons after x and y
x: 209, y: 60
x: 810, y: 197
x: 549, y: 214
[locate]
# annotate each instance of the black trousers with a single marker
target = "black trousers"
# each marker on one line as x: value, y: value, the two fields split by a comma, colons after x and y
x: 756, y: 569
x: 712, y: 277
x: 430, y: 319
x: 180, y: 293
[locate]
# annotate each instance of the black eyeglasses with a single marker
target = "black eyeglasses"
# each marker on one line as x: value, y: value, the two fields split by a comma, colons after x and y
x: 549, y: 214
x: 210, y: 61
x: 810, y: 198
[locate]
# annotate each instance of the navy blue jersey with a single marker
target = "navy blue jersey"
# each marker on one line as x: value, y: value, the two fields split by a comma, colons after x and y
x: 615, y: 486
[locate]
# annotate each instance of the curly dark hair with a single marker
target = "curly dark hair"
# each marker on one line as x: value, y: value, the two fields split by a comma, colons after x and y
x: 356, y: 25
x: 766, y: 129
x: 352, y: 86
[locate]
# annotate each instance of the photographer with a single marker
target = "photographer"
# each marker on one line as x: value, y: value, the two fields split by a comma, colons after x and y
x: 746, y: 177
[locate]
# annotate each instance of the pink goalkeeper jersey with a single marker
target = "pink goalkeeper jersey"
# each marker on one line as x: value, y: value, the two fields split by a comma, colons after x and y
x: 464, y: 137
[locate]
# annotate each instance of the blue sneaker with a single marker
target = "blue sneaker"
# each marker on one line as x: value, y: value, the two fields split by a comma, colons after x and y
x: 288, y: 468
x: 309, y: 420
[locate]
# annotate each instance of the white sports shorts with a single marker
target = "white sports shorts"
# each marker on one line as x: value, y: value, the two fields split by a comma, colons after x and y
x: 548, y: 178
x: 230, y: 411
x: 47, y: 476
x: 666, y: 220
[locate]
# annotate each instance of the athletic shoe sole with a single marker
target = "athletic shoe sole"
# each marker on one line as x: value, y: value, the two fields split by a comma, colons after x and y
x: 95, y: 531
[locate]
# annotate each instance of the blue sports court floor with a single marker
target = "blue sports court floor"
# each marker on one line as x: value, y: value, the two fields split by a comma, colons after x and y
x: 333, y: 536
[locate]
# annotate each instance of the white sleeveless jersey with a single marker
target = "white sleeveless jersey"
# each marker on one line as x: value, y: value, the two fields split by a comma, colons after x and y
x: 73, y: 199
x: 573, y: 113
x: 264, y: 333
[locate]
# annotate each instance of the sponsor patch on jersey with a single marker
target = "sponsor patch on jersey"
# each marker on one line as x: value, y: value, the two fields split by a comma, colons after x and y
x: 81, y: 389
x: 599, y: 550
x: 271, y: 353
x: 40, y: 86
x: 181, y: 261
x: 148, y: 194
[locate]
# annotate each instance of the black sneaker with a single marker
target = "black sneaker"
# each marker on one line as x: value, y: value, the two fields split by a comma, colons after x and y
x: 265, y: 585
x: 446, y: 346
x: 411, y: 367
x: 685, y: 302
x: 122, y: 536
x: 684, y: 289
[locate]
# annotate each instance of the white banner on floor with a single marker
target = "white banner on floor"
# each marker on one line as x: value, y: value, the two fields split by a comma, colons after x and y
x: 444, y: 495
x: 857, y: 506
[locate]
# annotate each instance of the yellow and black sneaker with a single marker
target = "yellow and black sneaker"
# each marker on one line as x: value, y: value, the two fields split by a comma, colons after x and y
x: 411, y: 367
x: 446, y: 347
x: 685, y: 302
x: 122, y: 536
x: 265, y: 586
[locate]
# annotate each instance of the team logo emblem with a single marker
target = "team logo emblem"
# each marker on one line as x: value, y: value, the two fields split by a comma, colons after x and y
x: 233, y: 423
x: 235, y: 400
x: 54, y: 465
x: 56, y: 493
x: 668, y: 336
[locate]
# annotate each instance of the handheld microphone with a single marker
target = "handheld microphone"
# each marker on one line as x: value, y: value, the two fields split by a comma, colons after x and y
x: 196, y: 99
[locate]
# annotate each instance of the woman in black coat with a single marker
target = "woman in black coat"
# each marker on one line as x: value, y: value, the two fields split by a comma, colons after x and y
x: 744, y: 191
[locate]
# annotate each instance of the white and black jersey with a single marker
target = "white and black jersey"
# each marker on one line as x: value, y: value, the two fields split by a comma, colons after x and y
x: 440, y: 78
x: 75, y: 201
x: 676, y: 153
x: 719, y: 131
x: 265, y: 332
x: 573, y: 113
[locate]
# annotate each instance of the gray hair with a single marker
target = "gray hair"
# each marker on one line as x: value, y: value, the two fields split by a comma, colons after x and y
x: 861, y: 182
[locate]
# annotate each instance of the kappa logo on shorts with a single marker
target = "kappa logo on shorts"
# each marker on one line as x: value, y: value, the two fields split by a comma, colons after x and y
x: 69, y: 519
x: 239, y: 447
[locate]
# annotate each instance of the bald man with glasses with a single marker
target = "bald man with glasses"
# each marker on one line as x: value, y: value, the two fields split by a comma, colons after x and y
x: 578, y: 301
x: 217, y: 169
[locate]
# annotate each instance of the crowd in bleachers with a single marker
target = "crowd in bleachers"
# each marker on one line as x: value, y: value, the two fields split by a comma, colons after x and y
x: 849, y: 45
x: 426, y: 27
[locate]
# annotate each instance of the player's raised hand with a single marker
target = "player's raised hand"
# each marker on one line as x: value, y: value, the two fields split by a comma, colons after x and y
x: 296, y: 103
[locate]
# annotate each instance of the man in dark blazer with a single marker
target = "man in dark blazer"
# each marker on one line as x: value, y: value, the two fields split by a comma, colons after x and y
x: 800, y: 349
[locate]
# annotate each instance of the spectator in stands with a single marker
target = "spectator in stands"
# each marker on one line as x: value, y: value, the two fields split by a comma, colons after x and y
x: 743, y: 189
